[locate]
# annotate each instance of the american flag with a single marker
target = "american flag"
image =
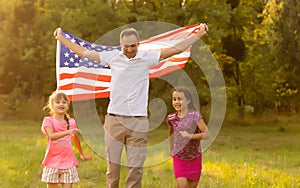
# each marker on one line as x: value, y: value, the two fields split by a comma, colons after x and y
x: 83, y: 79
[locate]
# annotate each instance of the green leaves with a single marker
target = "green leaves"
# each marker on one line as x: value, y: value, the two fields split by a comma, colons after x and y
x: 255, y: 43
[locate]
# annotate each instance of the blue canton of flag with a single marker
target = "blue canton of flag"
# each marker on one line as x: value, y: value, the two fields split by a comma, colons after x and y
x: 72, y: 60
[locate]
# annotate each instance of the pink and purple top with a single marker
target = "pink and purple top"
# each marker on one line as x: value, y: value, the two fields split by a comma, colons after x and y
x: 185, y: 148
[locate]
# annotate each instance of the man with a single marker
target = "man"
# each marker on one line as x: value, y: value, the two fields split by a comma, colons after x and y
x: 126, y: 123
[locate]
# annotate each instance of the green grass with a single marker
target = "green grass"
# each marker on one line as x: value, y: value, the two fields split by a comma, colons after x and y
x: 252, y: 155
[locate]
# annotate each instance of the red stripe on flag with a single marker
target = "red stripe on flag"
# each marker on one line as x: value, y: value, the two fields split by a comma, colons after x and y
x: 81, y: 86
x: 89, y: 76
x: 166, y: 71
x: 152, y: 39
x: 83, y: 97
x: 161, y: 63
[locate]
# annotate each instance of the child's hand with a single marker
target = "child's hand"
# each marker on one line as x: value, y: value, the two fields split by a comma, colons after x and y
x: 185, y: 134
x: 85, y: 157
x: 74, y: 131
x: 206, y: 135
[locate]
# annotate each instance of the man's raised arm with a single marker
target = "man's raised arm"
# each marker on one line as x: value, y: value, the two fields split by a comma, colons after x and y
x: 186, y: 43
x: 79, y: 50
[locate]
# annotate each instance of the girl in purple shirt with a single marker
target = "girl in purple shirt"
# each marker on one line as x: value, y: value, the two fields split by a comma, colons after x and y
x: 186, y: 129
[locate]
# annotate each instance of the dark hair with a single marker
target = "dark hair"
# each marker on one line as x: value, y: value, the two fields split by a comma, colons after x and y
x: 188, y: 95
x: 129, y: 31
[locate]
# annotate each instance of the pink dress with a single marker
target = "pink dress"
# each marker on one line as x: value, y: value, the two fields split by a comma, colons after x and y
x: 59, y: 153
x: 187, y: 154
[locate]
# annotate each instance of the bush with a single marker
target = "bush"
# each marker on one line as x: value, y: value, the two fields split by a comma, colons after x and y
x: 20, y: 107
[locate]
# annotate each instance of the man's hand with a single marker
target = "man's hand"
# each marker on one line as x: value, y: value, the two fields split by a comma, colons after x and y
x: 57, y: 33
x: 203, y: 27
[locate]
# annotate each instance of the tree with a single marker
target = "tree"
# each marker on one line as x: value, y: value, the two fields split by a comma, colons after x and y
x: 28, y: 60
x: 283, y: 30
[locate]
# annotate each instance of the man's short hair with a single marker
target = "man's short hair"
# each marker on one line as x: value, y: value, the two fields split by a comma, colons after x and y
x: 129, y: 31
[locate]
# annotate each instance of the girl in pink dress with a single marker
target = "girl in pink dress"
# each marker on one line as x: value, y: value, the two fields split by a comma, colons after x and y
x: 186, y: 129
x: 59, y: 164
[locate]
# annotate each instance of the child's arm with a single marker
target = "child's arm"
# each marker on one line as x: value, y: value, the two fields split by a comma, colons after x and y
x: 171, y: 137
x: 76, y: 141
x: 204, y: 135
x: 56, y: 135
x: 79, y: 50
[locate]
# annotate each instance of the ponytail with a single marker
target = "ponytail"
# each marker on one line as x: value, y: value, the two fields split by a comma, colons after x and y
x: 67, y: 120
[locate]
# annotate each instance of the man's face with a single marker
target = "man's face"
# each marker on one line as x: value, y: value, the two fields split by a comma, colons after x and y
x: 129, y: 44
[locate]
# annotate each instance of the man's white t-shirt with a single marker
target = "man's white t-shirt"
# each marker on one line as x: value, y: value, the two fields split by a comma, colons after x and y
x: 129, y: 81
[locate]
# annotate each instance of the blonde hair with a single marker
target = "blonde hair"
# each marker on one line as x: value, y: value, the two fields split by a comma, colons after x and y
x: 55, y: 96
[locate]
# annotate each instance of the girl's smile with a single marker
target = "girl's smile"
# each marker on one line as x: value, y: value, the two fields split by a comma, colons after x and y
x: 180, y: 103
x: 60, y: 106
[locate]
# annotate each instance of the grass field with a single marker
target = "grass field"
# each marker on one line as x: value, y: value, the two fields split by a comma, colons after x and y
x: 242, y: 156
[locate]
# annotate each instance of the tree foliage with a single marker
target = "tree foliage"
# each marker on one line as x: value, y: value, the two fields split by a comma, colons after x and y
x: 283, y: 30
x: 255, y: 42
